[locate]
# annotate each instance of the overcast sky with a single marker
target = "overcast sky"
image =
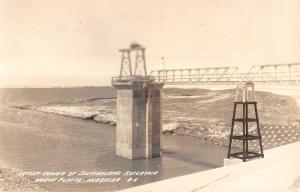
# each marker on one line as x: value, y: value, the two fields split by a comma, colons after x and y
x: 75, y: 42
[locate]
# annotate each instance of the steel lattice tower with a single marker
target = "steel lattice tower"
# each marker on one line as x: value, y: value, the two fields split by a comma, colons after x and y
x: 140, y: 68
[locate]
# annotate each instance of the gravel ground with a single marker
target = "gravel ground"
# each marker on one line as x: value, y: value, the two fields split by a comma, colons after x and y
x: 11, y: 182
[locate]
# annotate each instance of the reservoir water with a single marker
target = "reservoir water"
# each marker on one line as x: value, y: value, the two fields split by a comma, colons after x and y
x: 35, y: 141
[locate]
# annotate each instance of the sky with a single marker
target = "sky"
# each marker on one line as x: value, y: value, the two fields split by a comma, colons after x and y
x: 75, y: 42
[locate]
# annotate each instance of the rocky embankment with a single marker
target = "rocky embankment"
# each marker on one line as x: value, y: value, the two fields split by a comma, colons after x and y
x: 207, y: 114
x: 100, y: 110
x: 201, y: 113
x: 11, y: 182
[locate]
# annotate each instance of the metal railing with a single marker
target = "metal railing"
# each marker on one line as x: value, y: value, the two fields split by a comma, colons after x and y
x: 229, y: 75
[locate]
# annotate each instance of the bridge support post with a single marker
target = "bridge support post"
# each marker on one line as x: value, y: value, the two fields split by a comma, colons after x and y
x: 138, y: 119
x: 154, y: 120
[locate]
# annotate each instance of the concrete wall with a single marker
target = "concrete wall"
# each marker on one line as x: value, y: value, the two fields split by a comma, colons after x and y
x: 138, y: 119
x: 154, y: 125
x: 279, y: 171
x: 124, y: 135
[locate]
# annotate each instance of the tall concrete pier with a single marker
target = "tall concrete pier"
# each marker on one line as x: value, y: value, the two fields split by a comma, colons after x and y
x: 139, y: 121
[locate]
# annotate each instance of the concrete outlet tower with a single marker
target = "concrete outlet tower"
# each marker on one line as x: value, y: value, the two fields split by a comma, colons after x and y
x: 139, y: 119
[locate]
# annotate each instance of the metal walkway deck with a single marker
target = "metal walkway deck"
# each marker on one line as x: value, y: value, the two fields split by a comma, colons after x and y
x: 229, y: 75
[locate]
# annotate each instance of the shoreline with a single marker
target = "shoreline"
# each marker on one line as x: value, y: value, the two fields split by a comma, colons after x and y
x: 207, y: 128
x: 182, y: 100
x: 11, y: 182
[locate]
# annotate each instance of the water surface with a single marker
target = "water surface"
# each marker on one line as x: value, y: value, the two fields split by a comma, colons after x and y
x: 35, y: 141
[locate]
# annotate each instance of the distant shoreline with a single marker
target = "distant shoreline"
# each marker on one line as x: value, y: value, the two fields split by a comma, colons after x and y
x: 180, y: 119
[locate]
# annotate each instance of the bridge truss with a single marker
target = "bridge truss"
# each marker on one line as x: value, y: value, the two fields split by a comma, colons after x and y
x: 229, y: 75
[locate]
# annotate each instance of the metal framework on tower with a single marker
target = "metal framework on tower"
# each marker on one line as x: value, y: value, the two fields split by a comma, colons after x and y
x: 245, y: 137
x: 139, y: 68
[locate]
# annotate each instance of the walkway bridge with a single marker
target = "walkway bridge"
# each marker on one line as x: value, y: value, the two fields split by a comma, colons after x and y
x: 275, y: 73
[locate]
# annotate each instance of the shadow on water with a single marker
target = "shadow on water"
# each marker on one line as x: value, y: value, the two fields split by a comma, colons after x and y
x: 190, y: 159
